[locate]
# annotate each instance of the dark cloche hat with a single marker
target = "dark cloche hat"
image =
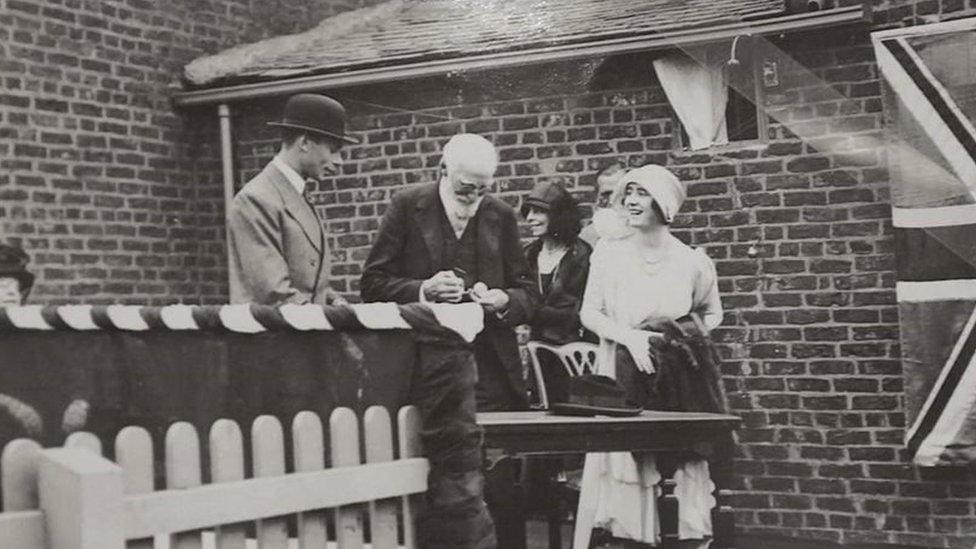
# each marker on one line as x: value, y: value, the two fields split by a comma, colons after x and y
x: 543, y: 196
x: 316, y: 113
x: 13, y: 264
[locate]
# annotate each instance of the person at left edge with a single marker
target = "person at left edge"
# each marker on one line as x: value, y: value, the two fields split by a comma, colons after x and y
x: 277, y: 243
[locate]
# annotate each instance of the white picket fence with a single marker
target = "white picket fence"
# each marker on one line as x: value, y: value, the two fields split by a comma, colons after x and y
x: 73, y: 498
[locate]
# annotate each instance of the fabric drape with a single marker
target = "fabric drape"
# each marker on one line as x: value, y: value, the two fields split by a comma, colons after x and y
x: 698, y: 93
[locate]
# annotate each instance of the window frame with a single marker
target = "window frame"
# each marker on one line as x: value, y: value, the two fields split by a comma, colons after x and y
x: 759, y: 103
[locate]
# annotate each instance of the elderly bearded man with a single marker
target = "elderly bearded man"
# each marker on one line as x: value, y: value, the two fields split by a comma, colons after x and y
x: 449, y: 241
x: 277, y: 244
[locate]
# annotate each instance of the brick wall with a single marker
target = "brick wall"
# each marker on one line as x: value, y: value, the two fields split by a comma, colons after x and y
x: 114, y: 194
x: 111, y: 193
x: 117, y: 198
x: 810, y: 336
x: 814, y: 350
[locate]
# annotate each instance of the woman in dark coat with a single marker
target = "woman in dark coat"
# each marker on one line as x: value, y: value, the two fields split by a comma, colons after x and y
x: 559, y: 261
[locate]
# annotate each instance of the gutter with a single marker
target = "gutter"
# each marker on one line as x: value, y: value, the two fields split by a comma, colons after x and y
x: 227, y: 171
x: 688, y: 37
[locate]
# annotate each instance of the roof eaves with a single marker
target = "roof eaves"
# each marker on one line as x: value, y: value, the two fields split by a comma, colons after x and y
x: 222, y: 66
x: 412, y: 66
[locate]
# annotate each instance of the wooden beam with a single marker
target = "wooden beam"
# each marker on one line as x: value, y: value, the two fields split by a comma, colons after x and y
x: 205, y: 506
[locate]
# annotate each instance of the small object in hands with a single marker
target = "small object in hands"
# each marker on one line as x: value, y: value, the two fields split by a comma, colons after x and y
x: 591, y: 395
x: 443, y: 287
x: 478, y: 290
x: 463, y: 275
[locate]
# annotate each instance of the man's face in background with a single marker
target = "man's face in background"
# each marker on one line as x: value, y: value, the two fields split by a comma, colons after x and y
x: 605, y: 184
x: 9, y: 291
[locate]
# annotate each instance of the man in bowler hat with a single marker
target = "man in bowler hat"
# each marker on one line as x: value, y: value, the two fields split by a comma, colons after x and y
x: 277, y: 244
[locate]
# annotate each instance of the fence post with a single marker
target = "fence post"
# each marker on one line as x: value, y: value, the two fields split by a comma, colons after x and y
x: 81, y: 496
x: 18, y: 475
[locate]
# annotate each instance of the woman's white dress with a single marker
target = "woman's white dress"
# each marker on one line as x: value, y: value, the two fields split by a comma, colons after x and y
x: 623, y: 289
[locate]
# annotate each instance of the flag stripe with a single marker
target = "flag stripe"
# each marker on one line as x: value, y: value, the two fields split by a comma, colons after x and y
x: 948, y: 431
x: 941, y: 106
x: 943, y: 216
x: 942, y: 253
x: 936, y: 290
x: 944, y: 388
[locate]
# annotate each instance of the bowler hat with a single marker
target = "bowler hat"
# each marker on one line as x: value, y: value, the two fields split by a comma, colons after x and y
x: 316, y: 113
x: 13, y: 264
x: 591, y: 395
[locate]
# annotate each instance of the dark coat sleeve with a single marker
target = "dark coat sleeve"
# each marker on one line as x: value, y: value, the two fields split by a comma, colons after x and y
x: 383, y: 277
x: 521, y: 289
x: 255, y: 243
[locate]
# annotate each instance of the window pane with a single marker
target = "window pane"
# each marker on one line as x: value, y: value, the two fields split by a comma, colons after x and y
x: 740, y: 113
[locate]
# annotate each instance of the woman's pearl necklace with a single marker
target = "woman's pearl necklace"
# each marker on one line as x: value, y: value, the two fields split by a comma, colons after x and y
x: 653, y: 258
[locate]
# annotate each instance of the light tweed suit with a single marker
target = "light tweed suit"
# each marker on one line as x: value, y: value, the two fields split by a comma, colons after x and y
x: 277, y: 245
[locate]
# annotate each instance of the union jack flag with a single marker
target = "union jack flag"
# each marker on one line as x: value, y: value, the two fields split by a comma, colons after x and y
x: 929, y: 74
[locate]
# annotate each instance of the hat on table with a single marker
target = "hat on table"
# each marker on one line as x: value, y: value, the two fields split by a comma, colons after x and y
x: 591, y: 395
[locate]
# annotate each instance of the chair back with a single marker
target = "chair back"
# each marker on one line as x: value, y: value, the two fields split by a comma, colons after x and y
x: 577, y: 358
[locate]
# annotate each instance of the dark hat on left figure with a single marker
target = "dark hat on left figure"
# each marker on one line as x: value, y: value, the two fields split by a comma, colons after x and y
x: 544, y: 196
x: 318, y: 114
x: 13, y: 264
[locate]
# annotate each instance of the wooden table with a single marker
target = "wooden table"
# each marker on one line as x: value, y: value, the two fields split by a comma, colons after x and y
x: 537, y: 432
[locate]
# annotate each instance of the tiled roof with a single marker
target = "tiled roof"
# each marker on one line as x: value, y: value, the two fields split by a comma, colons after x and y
x: 405, y: 31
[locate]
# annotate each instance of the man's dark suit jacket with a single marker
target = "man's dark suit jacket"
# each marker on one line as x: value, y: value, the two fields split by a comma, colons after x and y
x: 409, y: 249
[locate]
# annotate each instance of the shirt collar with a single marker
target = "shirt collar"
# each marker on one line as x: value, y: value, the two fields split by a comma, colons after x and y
x: 291, y: 175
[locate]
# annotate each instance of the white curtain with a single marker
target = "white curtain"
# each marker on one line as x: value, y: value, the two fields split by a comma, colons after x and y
x: 698, y: 92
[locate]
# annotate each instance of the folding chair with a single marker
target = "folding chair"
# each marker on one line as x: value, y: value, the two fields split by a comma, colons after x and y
x: 578, y: 357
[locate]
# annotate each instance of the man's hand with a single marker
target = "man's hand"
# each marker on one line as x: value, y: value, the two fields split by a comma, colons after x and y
x: 443, y: 287
x: 493, y: 300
